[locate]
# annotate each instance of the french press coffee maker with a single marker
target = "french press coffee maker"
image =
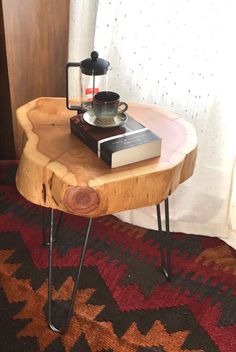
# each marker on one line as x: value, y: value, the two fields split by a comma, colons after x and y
x: 91, y: 79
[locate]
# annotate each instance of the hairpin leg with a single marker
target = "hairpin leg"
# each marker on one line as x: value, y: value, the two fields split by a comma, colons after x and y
x: 73, y: 296
x: 46, y: 241
x: 165, y: 245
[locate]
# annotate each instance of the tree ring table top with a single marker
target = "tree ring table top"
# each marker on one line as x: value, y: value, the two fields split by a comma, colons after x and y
x: 57, y: 170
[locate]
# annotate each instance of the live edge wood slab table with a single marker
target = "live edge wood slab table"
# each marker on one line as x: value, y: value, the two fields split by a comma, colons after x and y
x: 58, y: 171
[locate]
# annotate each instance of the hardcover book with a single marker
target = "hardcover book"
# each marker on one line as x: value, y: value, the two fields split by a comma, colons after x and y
x: 118, y: 146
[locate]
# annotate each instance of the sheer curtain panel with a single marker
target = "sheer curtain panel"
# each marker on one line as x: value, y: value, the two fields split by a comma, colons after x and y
x: 176, y: 54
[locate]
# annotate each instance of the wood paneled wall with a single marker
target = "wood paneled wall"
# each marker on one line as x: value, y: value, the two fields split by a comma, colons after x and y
x: 36, y: 36
x: 7, y: 149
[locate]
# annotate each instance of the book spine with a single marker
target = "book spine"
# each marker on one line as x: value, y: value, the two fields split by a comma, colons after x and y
x: 116, y: 137
x: 85, y: 138
x: 104, y: 153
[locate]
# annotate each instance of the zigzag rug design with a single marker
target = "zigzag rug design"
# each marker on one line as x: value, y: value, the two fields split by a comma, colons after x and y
x: 123, y: 303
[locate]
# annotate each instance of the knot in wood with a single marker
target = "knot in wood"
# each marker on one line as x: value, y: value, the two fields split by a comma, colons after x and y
x: 81, y: 200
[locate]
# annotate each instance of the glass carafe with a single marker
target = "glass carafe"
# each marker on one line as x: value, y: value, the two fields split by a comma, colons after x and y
x: 83, y: 80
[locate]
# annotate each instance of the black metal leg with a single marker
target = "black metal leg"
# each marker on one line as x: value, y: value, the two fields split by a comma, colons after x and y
x: 46, y: 241
x: 165, y: 245
x: 169, y: 239
x: 75, y: 288
x: 163, y: 263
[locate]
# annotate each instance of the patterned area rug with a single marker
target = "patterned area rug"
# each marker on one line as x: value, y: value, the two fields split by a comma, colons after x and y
x: 123, y: 303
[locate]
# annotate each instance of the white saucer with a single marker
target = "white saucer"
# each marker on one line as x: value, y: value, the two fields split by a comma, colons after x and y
x: 91, y: 119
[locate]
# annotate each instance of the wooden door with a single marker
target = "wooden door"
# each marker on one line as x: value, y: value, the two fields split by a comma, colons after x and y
x: 7, y: 149
x: 36, y: 37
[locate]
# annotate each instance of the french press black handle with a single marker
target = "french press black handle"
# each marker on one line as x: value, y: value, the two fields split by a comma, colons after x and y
x: 68, y: 65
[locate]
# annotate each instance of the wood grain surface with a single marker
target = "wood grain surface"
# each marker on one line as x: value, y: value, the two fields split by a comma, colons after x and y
x: 7, y: 147
x: 36, y: 35
x: 57, y: 170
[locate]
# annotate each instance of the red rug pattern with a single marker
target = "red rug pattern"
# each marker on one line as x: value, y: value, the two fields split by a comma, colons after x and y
x: 123, y: 304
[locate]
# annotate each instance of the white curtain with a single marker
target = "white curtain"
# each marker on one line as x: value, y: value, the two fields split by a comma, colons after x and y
x: 175, y: 54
